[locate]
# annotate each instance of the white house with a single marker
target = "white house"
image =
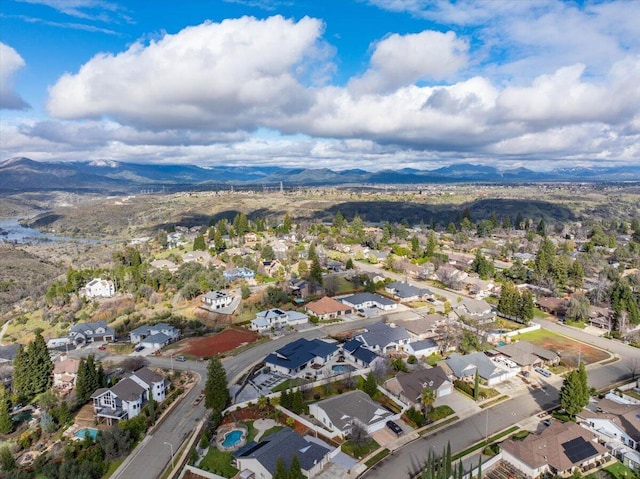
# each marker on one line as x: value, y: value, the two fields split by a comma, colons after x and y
x: 422, y: 348
x: 300, y: 356
x: 214, y: 300
x: 65, y: 373
x: 383, y: 338
x: 339, y: 413
x: 369, y: 300
x: 126, y: 399
x: 276, y: 319
x: 89, y: 332
x: 99, y: 288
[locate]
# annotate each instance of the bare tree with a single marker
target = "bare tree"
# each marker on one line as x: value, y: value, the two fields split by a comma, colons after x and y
x: 358, y: 433
x: 380, y: 369
x: 449, y: 277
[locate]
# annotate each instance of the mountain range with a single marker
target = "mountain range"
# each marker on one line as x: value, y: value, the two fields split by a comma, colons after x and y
x: 23, y: 174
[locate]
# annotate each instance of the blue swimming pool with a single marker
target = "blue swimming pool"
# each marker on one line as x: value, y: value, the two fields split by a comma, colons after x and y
x: 232, y: 438
x: 342, y: 368
x: 86, y: 431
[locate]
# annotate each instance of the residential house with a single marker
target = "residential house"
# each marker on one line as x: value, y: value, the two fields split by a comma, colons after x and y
x: 300, y: 356
x: 259, y: 459
x: 384, y: 338
x: 100, y: 288
x: 334, y: 266
x: 276, y: 319
x: 554, y: 306
x: 617, y: 424
x: 83, y: 333
x: 601, y: 317
x: 464, y: 367
x: 559, y: 450
x: 422, y: 347
x: 271, y: 267
x: 356, y: 352
x: 406, y: 292
x: 369, y: 300
x: 165, y: 264
x: 214, y: 300
x: 200, y: 257
x: 408, y: 387
x: 528, y: 356
x: 422, y: 327
x: 477, y: 310
x: 8, y: 353
x: 327, y: 308
x: 239, y: 273
x: 339, y: 413
x: 126, y: 399
x: 65, y: 373
x: 154, y: 336
x: 302, y: 288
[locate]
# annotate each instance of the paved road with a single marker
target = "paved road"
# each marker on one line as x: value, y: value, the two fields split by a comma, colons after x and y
x: 152, y: 455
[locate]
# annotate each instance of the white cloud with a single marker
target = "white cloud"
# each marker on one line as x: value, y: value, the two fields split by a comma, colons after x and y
x: 237, y: 74
x: 10, y: 63
x: 401, y: 60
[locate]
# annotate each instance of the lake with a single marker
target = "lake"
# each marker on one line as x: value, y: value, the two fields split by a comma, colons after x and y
x: 12, y: 231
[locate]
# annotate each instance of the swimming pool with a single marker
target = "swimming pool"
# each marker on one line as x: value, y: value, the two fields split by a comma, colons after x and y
x: 232, y: 438
x: 342, y: 368
x: 86, y: 431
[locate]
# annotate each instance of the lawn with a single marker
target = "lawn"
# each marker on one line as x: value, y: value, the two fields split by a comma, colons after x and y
x: 616, y: 470
x: 358, y: 451
x: 439, y: 412
x: 218, y: 462
x: 567, y: 348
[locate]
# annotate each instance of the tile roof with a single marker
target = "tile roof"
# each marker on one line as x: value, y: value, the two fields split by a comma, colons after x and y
x: 327, y: 305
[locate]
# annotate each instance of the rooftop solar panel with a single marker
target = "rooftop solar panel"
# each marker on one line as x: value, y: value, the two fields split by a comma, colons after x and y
x: 577, y: 450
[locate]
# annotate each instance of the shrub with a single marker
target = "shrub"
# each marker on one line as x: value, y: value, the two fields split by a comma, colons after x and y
x: 463, y: 386
x: 416, y: 417
x: 412, y: 359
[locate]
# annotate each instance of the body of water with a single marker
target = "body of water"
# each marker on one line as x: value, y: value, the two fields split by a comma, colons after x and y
x: 342, y: 368
x: 12, y: 231
x: 86, y: 431
x: 232, y: 438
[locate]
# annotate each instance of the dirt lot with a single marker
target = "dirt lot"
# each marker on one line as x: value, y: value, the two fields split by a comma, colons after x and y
x: 568, y: 349
x: 219, y: 343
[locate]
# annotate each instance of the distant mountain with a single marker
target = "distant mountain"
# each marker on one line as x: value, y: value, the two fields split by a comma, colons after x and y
x: 106, y: 176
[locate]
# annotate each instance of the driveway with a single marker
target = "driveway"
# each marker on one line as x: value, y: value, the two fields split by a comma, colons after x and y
x: 461, y: 404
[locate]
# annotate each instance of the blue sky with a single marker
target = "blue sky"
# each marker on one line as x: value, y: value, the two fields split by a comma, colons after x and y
x: 372, y: 84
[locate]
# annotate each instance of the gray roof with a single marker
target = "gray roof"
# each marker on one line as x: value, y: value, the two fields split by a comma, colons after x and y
x: 127, y: 390
x: 412, y: 384
x: 88, y: 328
x: 342, y: 409
x: 465, y: 366
x: 9, y: 352
x: 157, y: 338
x: 148, y: 330
x: 524, y: 353
x: 424, y: 344
x: 406, y: 290
x: 283, y: 444
x: 361, y: 298
x: 382, y: 335
x: 148, y: 376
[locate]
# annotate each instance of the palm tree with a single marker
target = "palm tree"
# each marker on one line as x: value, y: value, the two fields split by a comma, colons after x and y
x: 427, y: 398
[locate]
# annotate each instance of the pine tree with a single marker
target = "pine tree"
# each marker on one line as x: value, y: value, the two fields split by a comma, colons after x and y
x: 584, y: 386
x: 370, y: 386
x: 199, y: 243
x: 482, y: 266
x: 281, y: 470
x: 572, y: 393
x: 316, y: 271
x: 295, y: 471
x: 6, y: 424
x: 82, y: 383
x: 216, y: 392
x: 526, y: 307
x: 21, y: 371
x: 297, y: 405
x: 41, y: 365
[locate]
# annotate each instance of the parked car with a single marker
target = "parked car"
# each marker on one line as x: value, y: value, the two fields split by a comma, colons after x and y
x: 395, y: 428
x: 180, y: 358
x: 139, y: 348
x: 544, y: 372
x: 102, y: 348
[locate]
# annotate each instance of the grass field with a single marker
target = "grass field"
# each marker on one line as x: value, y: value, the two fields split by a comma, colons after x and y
x: 568, y: 349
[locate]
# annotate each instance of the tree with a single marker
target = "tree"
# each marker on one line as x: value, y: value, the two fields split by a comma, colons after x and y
x: 33, y: 369
x: 541, y: 228
x: 349, y: 264
x: 199, y: 243
x: 315, y: 273
x: 482, y: 266
x: 267, y: 253
x: 6, y: 424
x: 7, y: 462
x: 295, y: 471
x: 578, y: 307
x: 427, y: 398
x: 21, y: 381
x: 574, y: 394
x: 281, y: 470
x: 286, y: 224
x: 216, y: 392
x: 369, y: 385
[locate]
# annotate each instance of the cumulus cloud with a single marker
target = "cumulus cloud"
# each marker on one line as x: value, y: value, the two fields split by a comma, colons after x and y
x: 10, y: 63
x: 401, y: 60
x: 237, y: 74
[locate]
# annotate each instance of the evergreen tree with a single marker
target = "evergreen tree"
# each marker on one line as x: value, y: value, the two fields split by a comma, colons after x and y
x: 21, y: 374
x: 295, y: 471
x: 281, y: 470
x: 526, y: 306
x: 370, y: 386
x: 7, y: 461
x: 349, y: 264
x: 574, y: 394
x: 520, y: 224
x: 6, y: 424
x: 584, y: 386
x: 312, y: 254
x: 285, y: 399
x: 506, y: 224
x: 286, y: 224
x: 199, y: 243
x: 218, y: 242
x: 338, y: 221
x: 315, y: 273
x: 542, y: 228
x: 432, y: 244
x: 83, y: 383
x: 297, y: 404
x: 482, y: 266
x: 216, y: 392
